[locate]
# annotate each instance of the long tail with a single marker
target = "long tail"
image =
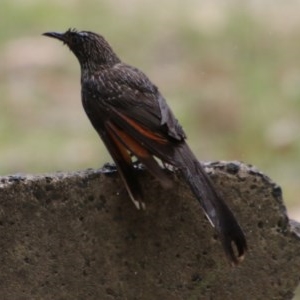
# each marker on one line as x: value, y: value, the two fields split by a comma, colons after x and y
x: 213, y: 205
x: 143, y: 143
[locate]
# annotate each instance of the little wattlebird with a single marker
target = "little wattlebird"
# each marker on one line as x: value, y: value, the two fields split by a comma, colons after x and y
x: 133, y: 119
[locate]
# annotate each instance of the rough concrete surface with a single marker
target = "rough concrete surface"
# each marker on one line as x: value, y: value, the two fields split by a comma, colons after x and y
x: 78, y: 236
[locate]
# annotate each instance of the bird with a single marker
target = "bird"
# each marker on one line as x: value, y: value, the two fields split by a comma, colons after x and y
x: 134, y: 121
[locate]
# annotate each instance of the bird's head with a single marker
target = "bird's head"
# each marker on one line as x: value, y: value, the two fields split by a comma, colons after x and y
x: 90, y: 48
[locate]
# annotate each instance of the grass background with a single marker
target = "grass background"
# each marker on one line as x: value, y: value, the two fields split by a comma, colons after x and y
x: 229, y: 70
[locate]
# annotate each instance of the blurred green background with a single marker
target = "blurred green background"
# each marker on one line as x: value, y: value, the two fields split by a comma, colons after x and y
x: 229, y: 70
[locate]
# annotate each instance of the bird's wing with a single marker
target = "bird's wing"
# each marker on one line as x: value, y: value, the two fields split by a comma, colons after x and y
x: 135, y: 107
x: 111, y: 111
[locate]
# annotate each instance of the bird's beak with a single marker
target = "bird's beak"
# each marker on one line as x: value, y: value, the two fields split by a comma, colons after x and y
x: 56, y: 35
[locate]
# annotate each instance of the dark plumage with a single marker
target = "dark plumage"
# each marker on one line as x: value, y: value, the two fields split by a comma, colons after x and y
x: 132, y: 118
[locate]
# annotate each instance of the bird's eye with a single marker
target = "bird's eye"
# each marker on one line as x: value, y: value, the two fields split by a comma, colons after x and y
x: 75, y: 38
